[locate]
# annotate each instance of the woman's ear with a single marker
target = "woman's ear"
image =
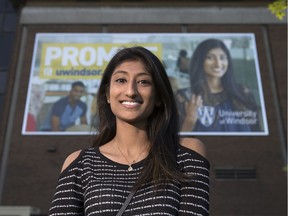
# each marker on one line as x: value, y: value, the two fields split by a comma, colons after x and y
x: 107, y: 93
x: 108, y: 98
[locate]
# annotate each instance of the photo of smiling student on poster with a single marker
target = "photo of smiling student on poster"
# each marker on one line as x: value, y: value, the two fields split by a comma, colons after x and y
x: 215, y: 101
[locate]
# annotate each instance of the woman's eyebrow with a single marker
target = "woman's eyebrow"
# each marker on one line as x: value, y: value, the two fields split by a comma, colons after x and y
x: 144, y: 73
x: 119, y: 72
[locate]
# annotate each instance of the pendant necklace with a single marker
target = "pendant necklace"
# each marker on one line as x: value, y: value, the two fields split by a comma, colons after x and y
x: 130, y: 168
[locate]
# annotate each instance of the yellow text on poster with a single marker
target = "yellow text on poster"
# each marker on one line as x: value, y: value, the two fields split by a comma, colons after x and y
x: 81, y: 61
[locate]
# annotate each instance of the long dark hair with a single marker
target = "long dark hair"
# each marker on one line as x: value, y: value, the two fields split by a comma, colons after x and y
x: 198, y: 83
x: 162, y: 127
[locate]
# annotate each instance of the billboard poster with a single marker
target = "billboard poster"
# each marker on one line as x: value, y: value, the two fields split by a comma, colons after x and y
x: 215, y: 79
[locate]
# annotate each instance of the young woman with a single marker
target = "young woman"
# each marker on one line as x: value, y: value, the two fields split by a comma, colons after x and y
x: 136, y: 148
x: 215, y: 101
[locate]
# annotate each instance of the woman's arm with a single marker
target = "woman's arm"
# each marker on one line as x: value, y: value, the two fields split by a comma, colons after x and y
x: 68, y: 198
x: 195, y: 145
x: 70, y: 159
x: 195, y: 191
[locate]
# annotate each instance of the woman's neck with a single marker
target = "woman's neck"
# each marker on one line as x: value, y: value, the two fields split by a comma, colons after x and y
x: 215, y: 85
x: 130, y: 137
x: 127, y: 147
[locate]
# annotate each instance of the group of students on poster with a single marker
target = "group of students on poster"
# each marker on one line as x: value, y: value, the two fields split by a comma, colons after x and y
x: 213, y: 102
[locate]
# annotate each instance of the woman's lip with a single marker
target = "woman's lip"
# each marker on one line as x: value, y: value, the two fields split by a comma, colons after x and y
x: 131, y: 104
x: 217, y: 69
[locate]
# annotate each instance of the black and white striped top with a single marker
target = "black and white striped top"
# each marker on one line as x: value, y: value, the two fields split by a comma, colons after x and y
x: 94, y: 185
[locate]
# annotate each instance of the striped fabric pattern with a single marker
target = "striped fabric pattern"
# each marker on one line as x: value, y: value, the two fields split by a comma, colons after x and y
x: 94, y: 185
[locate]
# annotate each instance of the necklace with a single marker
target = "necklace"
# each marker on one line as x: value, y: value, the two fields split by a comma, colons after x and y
x: 130, y: 168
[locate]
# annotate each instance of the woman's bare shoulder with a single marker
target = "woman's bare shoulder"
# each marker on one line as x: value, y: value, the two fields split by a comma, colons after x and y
x: 70, y: 159
x: 195, y: 145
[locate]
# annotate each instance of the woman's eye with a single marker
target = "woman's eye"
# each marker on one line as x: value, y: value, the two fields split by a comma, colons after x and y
x: 144, y: 82
x: 120, y: 80
x: 223, y: 57
x: 209, y: 57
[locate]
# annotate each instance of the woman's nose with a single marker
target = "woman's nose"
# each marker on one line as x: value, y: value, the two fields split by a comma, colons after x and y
x: 131, y: 90
x: 217, y: 62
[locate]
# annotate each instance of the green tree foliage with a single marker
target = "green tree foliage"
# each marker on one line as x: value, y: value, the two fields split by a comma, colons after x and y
x: 278, y: 8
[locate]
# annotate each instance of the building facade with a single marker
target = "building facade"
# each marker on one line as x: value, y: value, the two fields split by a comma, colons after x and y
x: 247, y: 172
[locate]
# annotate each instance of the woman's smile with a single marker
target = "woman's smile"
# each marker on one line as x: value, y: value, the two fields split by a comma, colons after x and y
x: 216, y: 63
x: 131, y: 104
x: 132, y: 92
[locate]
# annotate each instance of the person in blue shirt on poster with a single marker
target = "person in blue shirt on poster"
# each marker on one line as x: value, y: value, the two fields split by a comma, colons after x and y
x: 67, y: 110
x: 215, y: 102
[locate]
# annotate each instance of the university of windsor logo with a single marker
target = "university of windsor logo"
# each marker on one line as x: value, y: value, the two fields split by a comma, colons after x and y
x: 206, y: 115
